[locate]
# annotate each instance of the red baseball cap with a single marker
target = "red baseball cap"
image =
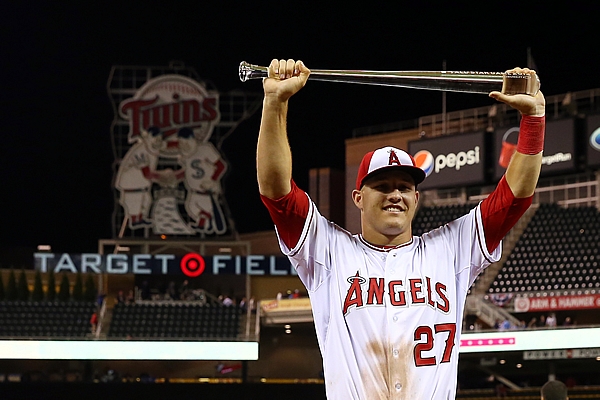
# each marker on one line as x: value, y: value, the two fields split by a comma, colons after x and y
x: 388, y: 157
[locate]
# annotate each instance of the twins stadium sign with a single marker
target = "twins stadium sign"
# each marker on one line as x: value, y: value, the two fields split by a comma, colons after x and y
x: 169, y: 177
x: 191, y: 264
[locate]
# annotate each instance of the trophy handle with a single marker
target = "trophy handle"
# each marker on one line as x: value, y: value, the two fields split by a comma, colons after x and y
x: 447, y: 81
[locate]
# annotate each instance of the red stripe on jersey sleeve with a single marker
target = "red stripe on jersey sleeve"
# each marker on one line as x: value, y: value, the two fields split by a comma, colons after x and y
x: 219, y: 168
x: 149, y: 174
x: 289, y: 214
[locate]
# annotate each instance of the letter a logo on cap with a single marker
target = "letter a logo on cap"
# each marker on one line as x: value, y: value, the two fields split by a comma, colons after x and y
x: 376, y: 160
x: 393, y: 160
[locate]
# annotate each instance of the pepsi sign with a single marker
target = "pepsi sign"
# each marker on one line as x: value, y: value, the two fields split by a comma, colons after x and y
x: 593, y: 140
x: 450, y: 161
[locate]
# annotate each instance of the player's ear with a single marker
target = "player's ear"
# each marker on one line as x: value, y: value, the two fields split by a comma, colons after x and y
x: 357, y: 198
x: 416, y: 203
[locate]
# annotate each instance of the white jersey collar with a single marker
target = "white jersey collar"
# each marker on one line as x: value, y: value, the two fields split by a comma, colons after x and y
x: 384, y: 248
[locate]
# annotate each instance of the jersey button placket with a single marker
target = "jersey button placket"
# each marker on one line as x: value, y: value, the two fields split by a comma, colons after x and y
x: 392, y: 268
x: 389, y: 276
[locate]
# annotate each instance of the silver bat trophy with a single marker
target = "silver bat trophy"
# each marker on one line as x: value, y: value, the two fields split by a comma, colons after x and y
x: 446, y: 81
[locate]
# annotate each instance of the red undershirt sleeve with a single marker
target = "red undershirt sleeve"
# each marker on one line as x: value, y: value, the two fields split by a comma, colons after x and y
x: 289, y: 214
x: 500, y: 211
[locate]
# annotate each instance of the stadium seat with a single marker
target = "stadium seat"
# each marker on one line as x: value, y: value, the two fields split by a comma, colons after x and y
x: 560, y: 245
x: 45, y: 319
x: 174, y: 320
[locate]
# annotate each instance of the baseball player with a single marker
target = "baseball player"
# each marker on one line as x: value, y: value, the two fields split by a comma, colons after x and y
x: 387, y: 305
x: 202, y: 171
x: 136, y: 174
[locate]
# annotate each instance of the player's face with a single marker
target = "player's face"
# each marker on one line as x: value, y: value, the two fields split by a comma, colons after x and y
x: 187, y: 146
x: 387, y: 202
x: 154, y: 143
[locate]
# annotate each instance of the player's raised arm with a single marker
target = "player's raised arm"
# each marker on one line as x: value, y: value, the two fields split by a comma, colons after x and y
x: 501, y: 210
x: 273, y: 155
x: 524, y: 169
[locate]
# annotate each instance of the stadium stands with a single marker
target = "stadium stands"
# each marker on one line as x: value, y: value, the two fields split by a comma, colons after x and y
x: 69, y: 319
x: 558, y: 251
x: 170, y: 320
x: 429, y: 218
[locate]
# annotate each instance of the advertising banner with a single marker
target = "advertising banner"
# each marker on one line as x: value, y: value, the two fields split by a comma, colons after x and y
x: 450, y: 161
x: 562, y: 354
x: 593, y: 140
x: 557, y: 303
x: 529, y: 340
x: 559, y: 147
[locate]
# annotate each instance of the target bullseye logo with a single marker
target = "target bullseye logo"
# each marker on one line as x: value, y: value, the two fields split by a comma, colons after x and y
x: 192, y: 265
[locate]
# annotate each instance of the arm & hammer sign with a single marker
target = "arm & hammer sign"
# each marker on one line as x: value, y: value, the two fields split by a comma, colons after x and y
x: 191, y: 264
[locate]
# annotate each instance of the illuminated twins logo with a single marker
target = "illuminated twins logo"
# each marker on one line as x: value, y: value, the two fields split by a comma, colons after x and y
x: 595, y: 139
x: 170, y: 178
x: 169, y: 103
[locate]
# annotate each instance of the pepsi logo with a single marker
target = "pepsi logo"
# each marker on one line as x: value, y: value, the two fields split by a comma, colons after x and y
x: 424, y: 160
x: 595, y: 139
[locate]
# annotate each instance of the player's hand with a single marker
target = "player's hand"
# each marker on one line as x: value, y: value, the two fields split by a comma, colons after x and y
x: 525, y: 104
x: 211, y: 186
x: 166, y: 178
x: 286, y: 77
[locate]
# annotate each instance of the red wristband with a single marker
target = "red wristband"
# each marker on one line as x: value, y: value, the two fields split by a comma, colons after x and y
x: 531, y: 135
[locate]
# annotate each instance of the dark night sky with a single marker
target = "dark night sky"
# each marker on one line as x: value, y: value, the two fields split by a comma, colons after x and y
x: 56, y: 154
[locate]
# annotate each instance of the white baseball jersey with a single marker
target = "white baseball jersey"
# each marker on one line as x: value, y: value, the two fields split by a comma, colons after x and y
x: 130, y: 175
x: 200, y: 167
x: 388, y: 322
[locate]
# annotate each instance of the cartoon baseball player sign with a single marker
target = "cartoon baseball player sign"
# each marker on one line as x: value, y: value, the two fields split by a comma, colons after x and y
x: 202, y: 170
x: 388, y: 305
x: 136, y: 175
x: 171, y: 119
